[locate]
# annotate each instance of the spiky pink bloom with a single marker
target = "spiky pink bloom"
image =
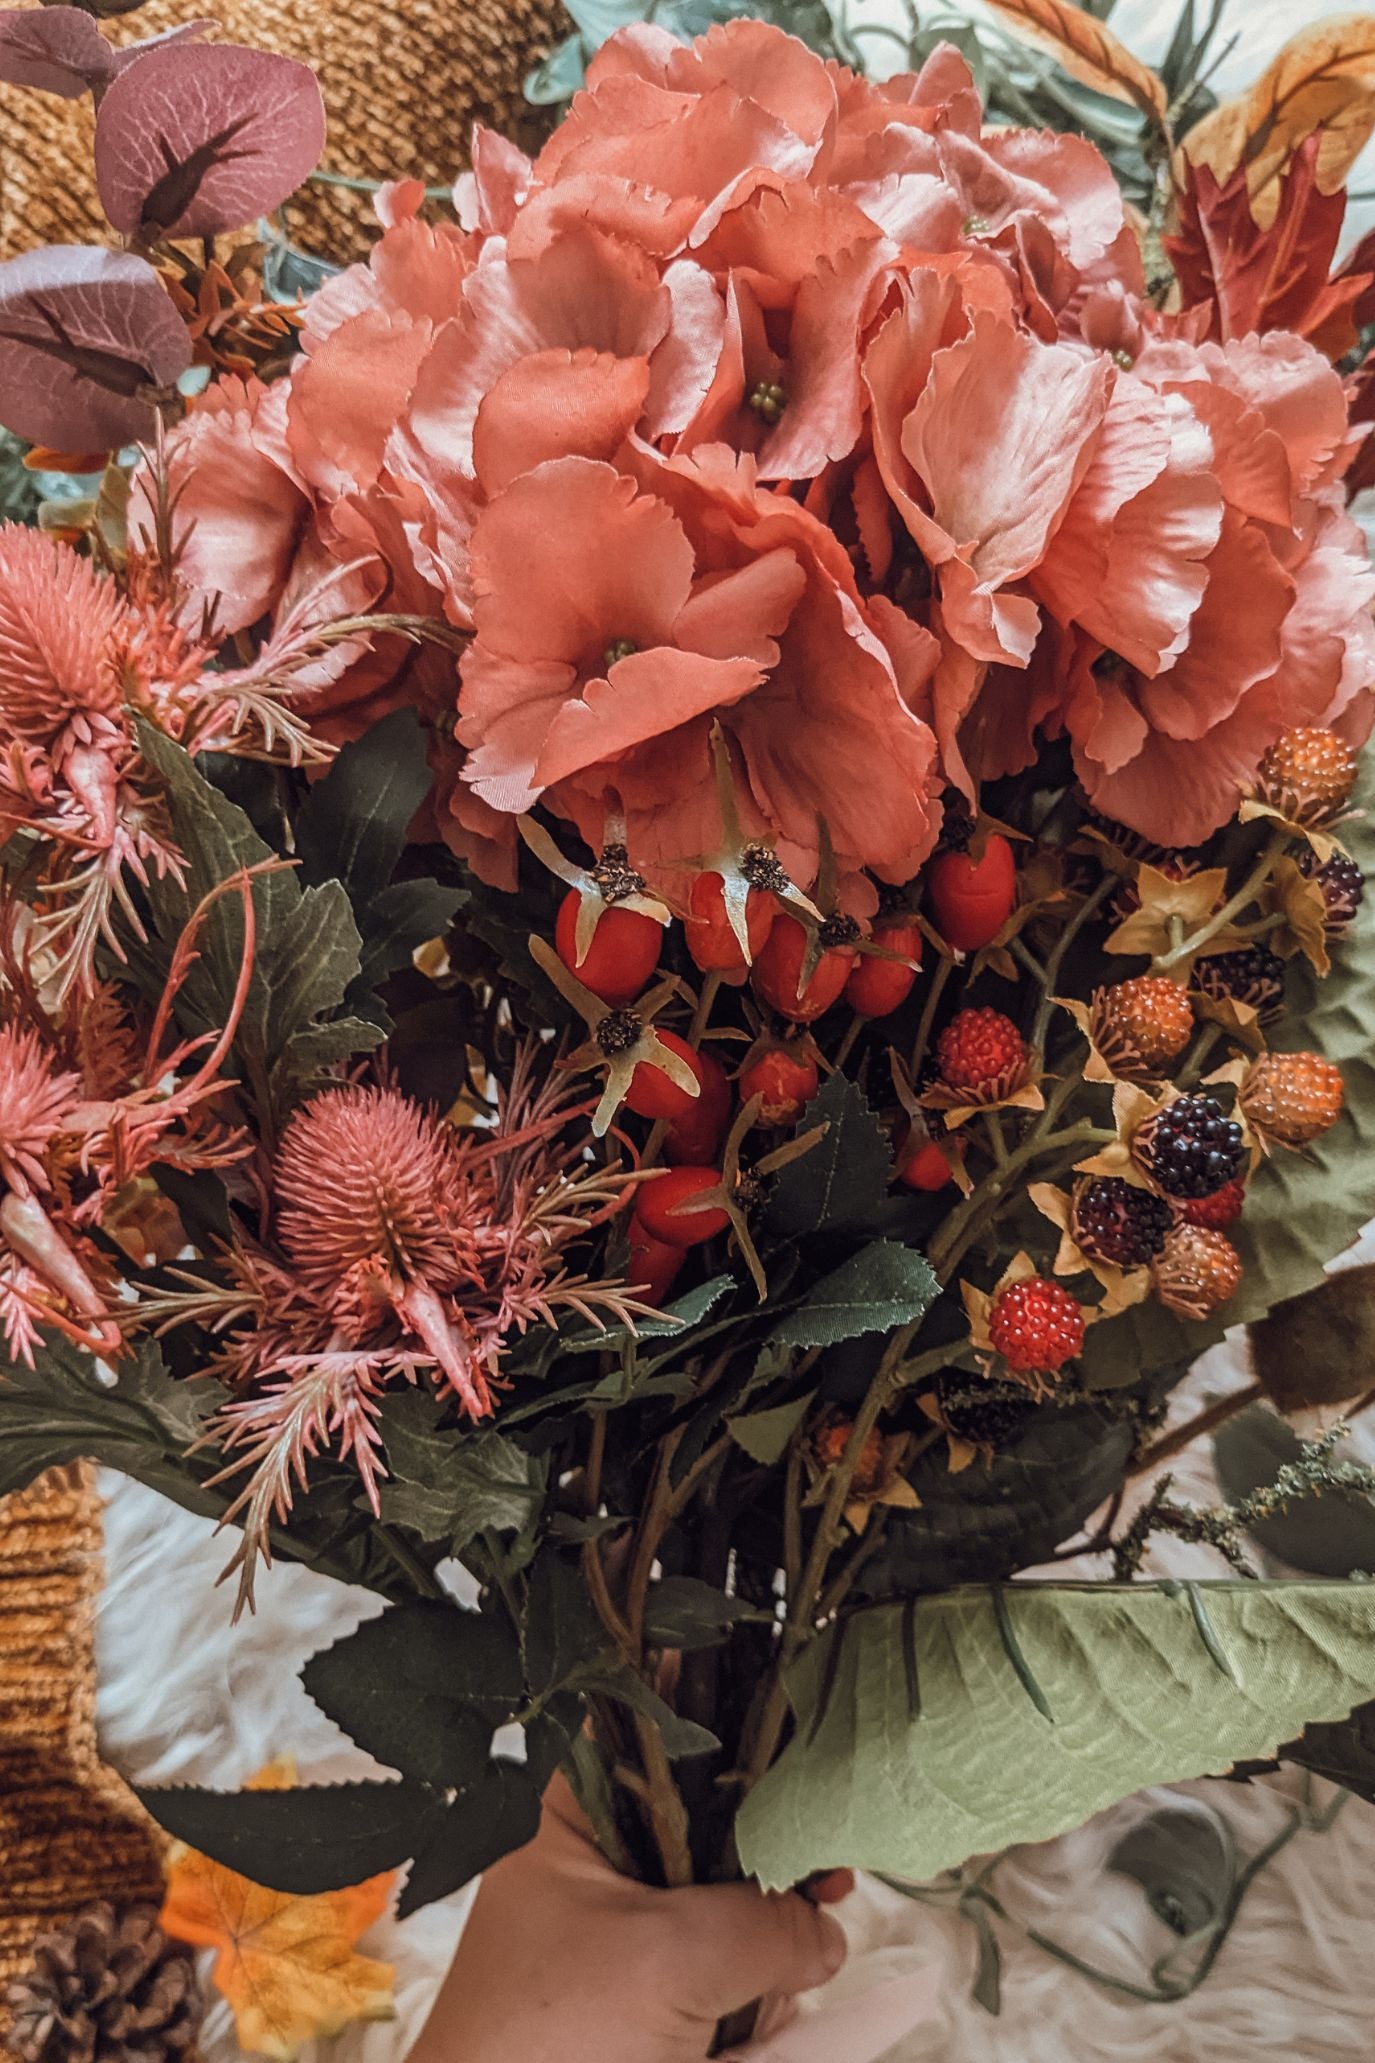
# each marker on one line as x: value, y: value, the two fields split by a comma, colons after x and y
x: 36, y: 1101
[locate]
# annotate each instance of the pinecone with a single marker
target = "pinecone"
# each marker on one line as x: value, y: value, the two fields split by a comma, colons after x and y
x: 108, y: 1987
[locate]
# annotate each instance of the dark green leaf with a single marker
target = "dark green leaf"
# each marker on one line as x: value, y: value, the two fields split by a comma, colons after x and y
x: 1185, y: 1860
x: 683, y: 1612
x: 59, y: 1411
x: 450, y: 1486
x: 321, y: 1837
x: 844, y: 1179
x: 880, y: 1287
x: 1319, y: 1348
x: 492, y: 1817
x: 1331, y: 1535
x: 422, y: 1688
x: 398, y: 920
x: 681, y: 1737
x: 1342, y: 1750
x: 678, y: 1317
x: 764, y: 1435
x: 352, y: 826
x: 562, y: 1634
x: 987, y: 1988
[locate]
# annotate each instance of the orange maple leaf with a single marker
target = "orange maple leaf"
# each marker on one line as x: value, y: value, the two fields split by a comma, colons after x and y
x: 286, y: 1965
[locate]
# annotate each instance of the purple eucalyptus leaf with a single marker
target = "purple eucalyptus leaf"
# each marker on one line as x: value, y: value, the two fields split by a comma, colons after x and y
x: 84, y: 335
x: 195, y: 139
x: 57, y: 49
x: 185, y: 32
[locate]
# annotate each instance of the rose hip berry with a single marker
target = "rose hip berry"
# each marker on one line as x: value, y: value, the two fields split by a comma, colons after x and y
x: 707, y: 929
x: 654, y: 1265
x: 927, y: 1166
x: 695, y: 1138
x: 970, y: 899
x: 654, y: 1094
x: 1036, y: 1326
x: 877, y: 987
x: 778, y: 969
x: 657, y: 1207
x: 622, y: 956
x: 786, y: 1076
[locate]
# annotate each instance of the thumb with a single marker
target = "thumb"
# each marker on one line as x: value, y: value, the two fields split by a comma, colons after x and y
x: 743, y: 1943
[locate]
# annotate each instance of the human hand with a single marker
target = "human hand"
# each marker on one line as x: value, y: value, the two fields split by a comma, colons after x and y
x: 564, y: 1961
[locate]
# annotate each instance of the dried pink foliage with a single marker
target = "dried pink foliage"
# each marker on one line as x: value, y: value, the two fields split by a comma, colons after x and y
x: 57, y: 49
x: 88, y: 340
x: 193, y: 140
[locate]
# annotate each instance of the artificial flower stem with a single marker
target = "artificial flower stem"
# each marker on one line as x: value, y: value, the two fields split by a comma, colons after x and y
x: 846, y: 1046
x: 1055, y: 957
x: 1276, y: 847
x: 928, y: 1015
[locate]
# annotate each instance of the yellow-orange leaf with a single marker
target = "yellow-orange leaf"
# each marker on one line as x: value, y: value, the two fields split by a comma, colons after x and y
x: 1322, y: 81
x: 287, y: 1966
x: 1088, y: 51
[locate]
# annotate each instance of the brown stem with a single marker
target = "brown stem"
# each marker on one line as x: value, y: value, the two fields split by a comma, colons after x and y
x: 1170, y: 1444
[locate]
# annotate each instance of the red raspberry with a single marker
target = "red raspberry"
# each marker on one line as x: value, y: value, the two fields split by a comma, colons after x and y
x: 878, y: 987
x: 971, y: 900
x: 982, y: 1054
x: 1197, y: 1271
x: 623, y: 954
x: 1217, y: 1211
x: 1145, y: 1023
x: 1036, y: 1326
x: 1293, y: 1097
x: 1307, y: 774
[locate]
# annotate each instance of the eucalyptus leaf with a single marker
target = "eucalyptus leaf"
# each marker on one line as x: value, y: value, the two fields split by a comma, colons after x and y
x: 318, y: 1837
x: 877, y: 1289
x: 1135, y: 1695
x: 1330, y: 1535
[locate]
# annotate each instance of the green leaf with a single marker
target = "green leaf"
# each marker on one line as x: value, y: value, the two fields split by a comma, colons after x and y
x: 400, y: 919
x: 1318, y: 1349
x: 682, y: 1738
x: 306, y: 953
x: 1136, y: 1695
x: 1302, y: 1208
x: 880, y: 1287
x: 422, y: 1688
x: 1331, y: 1535
x: 678, y: 1317
x: 1005, y: 1514
x: 320, y: 1837
x: 140, y: 1423
x: 1341, y: 1750
x: 448, y: 1485
x: 683, y: 1612
x: 492, y: 1817
x: 1185, y: 1860
x: 352, y: 825
x: 764, y: 1435
x: 844, y: 1179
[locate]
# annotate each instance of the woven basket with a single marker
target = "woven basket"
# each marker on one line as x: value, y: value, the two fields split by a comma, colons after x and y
x: 69, y: 1830
x: 403, y: 80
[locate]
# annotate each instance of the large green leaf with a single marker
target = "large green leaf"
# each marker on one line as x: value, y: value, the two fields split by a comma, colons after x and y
x: 1006, y: 1513
x: 320, y: 1837
x: 933, y: 1743
x: 1303, y: 1208
x: 306, y: 951
x: 843, y: 1181
x: 449, y: 1486
x: 1331, y: 1535
x: 882, y: 1286
x: 485, y: 1820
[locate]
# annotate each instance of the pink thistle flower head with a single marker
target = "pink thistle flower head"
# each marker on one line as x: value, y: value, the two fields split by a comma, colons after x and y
x: 36, y: 1099
x: 57, y: 623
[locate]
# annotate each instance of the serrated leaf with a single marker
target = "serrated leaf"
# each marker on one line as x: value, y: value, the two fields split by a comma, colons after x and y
x: 1006, y: 1513
x: 60, y: 1411
x: 352, y: 826
x: 1331, y: 1535
x: 683, y: 1612
x: 307, y: 950
x: 764, y: 1435
x: 678, y: 1317
x: 422, y: 1688
x: 844, y: 1178
x: 491, y: 1817
x: 1135, y: 1693
x: 397, y: 921
x: 1301, y: 1208
x: 880, y: 1287
x: 449, y: 1485
x: 1342, y: 1750
x: 319, y: 1837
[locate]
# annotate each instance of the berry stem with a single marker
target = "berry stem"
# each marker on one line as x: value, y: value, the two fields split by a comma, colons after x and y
x: 928, y: 1015
x: 846, y: 1046
x: 1275, y: 848
x: 1050, y: 974
x: 1194, y: 1428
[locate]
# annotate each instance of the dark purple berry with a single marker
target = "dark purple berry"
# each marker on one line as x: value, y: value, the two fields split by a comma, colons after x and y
x: 1117, y: 1222
x: 1190, y: 1147
x: 1342, y: 884
x: 991, y: 1414
x: 1250, y: 974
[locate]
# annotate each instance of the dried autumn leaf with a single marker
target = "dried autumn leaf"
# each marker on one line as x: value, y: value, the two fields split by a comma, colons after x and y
x: 1088, y: 51
x: 287, y: 1966
x: 1321, y: 83
x: 193, y: 140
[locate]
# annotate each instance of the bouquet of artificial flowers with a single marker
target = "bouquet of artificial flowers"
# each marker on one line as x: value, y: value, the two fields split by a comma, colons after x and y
x: 681, y: 911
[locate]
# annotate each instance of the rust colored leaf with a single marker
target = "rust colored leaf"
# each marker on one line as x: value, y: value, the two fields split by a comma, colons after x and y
x: 1322, y: 83
x: 1088, y: 50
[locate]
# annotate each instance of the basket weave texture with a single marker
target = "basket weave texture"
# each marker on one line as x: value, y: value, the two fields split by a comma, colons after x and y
x: 403, y: 80
x: 69, y: 1830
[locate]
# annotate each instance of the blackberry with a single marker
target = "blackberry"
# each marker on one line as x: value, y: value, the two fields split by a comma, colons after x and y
x: 1115, y: 1221
x: 994, y: 1415
x: 1250, y: 974
x: 1342, y: 884
x: 1191, y: 1147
